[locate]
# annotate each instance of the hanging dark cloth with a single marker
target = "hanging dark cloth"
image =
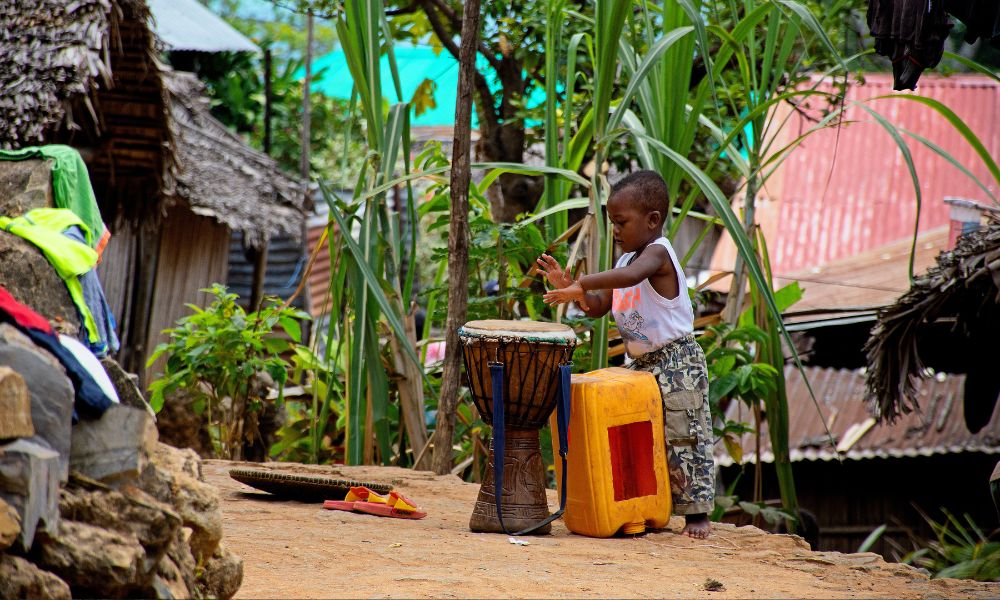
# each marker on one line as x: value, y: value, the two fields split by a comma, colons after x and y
x: 911, y: 33
x: 981, y: 18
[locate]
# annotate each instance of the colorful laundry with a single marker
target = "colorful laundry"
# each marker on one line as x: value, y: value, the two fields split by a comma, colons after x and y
x: 71, y: 187
x: 981, y: 18
x: 44, y: 228
x: 22, y: 316
x: 911, y: 33
x: 93, y: 296
x: 90, y: 363
x: 91, y: 401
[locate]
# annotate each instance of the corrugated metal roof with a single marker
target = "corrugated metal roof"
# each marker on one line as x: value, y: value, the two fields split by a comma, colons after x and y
x: 876, y: 277
x: 187, y: 25
x: 319, y: 278
x: 940, y: 429
x: 284, y: 269
x: 848, y: 190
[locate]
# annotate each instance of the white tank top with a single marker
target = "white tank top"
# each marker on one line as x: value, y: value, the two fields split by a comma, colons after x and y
x: 646, y: 320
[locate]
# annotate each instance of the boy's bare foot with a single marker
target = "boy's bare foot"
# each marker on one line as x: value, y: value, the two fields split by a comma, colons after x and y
x: 697, y: 526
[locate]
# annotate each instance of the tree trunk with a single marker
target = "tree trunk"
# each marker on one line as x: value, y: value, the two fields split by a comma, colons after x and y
x: 512, y: 194
x: 503, y: 140
x: 458, y: 241
x: 502, y: 135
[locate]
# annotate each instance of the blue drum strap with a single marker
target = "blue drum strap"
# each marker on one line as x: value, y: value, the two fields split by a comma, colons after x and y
x: 562, y: 421
x: 496, y: 377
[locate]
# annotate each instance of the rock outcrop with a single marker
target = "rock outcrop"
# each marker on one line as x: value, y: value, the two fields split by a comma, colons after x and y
x: 51, y: 392
x: 29, y: 483
x: 10, y: 525
x: 15, y: 405
x: 134, y: 518
x: 174, y: 476
x: 19, y: 578
x: 95, y: 508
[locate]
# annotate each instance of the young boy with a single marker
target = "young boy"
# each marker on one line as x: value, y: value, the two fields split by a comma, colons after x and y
x: 647, y: 295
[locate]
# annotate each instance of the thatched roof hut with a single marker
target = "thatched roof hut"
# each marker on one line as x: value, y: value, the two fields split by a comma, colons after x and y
x: 172, y: 182
x: 962, y: 294
x: 223, y: 178
x: 86, y: 73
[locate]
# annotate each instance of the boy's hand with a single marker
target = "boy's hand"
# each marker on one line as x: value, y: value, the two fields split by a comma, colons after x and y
x: 549, y: 267
x: 573, y: 292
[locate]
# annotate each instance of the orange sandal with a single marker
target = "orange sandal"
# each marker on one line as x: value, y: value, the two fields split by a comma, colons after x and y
x: 397, y: 506
x: 355, y: 496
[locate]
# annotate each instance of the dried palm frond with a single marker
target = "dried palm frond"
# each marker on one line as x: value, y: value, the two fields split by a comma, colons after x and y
x: 52, y: 52
x: 964, y: 285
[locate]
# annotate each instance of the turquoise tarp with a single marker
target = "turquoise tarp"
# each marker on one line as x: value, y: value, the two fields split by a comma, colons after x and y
x: 415, y: 64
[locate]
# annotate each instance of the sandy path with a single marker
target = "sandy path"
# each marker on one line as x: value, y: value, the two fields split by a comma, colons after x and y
x: 296, y: 550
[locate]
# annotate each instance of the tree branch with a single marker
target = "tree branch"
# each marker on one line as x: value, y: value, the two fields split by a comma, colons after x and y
x: 439, y: 29
x: 455, y: 18
x: 406, y: 10
x: 487, y: 109
x: 445, y: 35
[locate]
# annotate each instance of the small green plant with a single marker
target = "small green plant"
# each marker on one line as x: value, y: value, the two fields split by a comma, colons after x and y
x: 500, y: 257
x: 961, y: 551
x: 313, y: 428
x: 226, y: 359
x: 734, y: 372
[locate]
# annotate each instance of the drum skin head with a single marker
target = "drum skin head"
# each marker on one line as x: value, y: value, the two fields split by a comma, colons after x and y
x: 493, y: 328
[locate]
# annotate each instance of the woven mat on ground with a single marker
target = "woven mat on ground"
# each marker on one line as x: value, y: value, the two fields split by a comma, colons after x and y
x: 304, y: 488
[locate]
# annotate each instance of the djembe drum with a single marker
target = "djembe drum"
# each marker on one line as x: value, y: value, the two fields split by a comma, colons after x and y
x: 522, y: 361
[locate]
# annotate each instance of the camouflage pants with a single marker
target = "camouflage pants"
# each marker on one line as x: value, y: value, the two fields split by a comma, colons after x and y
x: 679, y: 368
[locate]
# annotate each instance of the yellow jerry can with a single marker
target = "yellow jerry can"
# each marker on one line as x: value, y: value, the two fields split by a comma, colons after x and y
x: 616, y: 476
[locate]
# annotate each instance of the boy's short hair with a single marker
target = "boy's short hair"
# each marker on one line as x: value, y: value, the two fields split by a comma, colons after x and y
x: 650, y: 191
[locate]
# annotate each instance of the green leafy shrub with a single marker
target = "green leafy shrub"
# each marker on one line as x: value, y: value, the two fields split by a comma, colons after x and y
x: 500, y: 257
x: 313, y: 430
x: 227, y: 359
x: 734, y: 372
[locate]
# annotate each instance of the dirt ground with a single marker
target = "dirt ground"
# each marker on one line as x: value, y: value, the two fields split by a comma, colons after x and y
x: 297, y: 550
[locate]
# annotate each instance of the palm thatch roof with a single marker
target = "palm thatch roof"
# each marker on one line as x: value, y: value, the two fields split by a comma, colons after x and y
x: 86, y: 73
x: 964, y: 287
x: 220, y: 176
x: 52, y: 51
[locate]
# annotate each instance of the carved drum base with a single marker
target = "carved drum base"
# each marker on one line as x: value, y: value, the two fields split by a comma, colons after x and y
x: 523, y: 499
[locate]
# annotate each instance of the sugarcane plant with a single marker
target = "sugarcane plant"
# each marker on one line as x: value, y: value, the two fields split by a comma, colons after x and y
x: 371, y: 295
x: 671, y: 79
x: 662, y: 116
x: 369, y: 290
